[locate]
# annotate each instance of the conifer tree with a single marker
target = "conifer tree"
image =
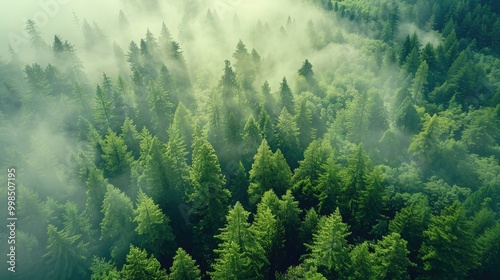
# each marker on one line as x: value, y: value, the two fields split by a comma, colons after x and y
x: 362, y: 263
x: 117, y: 226
x: 65, y: 256
x: 391, y: 258
x: 287, y: 134
x: 285, y: 96
x: 449, y: 249
x: 269, y: 171
x: 207, y: 196
x: 241, y: 256
x: 306, y: 176
x: 329, y: 251
x: 184, y: 267
x: 153, y: 229
x: 140, y: 266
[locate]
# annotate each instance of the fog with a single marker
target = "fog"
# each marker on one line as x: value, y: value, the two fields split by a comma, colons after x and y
x: 88, y: 110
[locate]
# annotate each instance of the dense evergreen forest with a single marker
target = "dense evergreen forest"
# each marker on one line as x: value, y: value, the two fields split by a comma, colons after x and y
x: 290, y: 139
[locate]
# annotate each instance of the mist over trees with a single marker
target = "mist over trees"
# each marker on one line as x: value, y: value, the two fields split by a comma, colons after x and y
x: 289, y: 139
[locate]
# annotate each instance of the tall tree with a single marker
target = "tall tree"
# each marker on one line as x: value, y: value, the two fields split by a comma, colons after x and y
x: 391, y: 258
x: 287, y: 134
x: 362, y: 263
x: 207, y: 196
x: 67, y: 257
x: 329, y: 250
x: 306, y: 176
x: 241, y: 256
x: 285, y: 96
x: 140, y: 266
x: 269, y: 171
x: 153, y: 229
x: 184, y: 267
x: 117, y: 226
x: 449, y: 249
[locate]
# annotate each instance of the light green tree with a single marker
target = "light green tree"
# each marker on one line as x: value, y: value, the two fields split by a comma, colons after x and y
x: 184, y: 267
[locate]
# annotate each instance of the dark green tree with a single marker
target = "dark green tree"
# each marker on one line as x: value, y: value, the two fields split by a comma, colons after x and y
x: 449, y: 249
x: 153, y: 229
x: 117, y: 226
x: 65, y: 255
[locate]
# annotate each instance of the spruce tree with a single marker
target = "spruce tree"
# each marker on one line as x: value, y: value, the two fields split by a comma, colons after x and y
x: 184, y: 267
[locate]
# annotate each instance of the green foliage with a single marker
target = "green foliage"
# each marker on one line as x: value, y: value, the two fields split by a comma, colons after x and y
x: 269, y: 171
x: 329, y: 250
x: 153, y: 227
x: 103, y: 270
x: 449, y: 249
x: 391, y: 258
x: 116, y: 158
x: 117, y: 224
x: 184, y: 267
x: 241, y: 256
x: 140, y: 266
x: 65, y: 255
x: 362, y: 263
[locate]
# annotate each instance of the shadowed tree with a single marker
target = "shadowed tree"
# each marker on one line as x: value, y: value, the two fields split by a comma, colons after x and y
x: 153, y: 229
x: 66, y: 256
x: 117, y: 226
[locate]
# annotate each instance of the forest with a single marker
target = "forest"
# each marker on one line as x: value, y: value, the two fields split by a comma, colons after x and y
x: 231, y: 139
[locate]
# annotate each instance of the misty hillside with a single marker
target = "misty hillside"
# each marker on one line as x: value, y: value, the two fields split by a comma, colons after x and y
x: 232, y: 139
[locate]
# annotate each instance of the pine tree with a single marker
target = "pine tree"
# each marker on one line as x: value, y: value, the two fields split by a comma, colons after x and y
x: 116, y: 158
x: 354, y: 182
x: 241, y: 256
x: 117, y: 225
x: 207, y: 197
x: 96, y: 190
x: 269, y: 171
x: 103, y: 113
x: 329, y: 187
x: 65, y: 256
x: 269, y: 233
x: 251, y: 139
x: 266, y: 128
x: 287, y: 134
x: 449, y: 250
x: 304, y: 120
x: 391, y: 258
x: 160, y: 104
x: 419, y: 85
x: 140, y: 266
x: 131, y: 137
x: 184, y: 267
x: 153, y: 229
x: 410, y: 223
x: 267, y: 99
x: 362, y: 263
x: 372, y: 201
x: 307, y: 175
x: 329, y: 250
x: 285, y: 96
